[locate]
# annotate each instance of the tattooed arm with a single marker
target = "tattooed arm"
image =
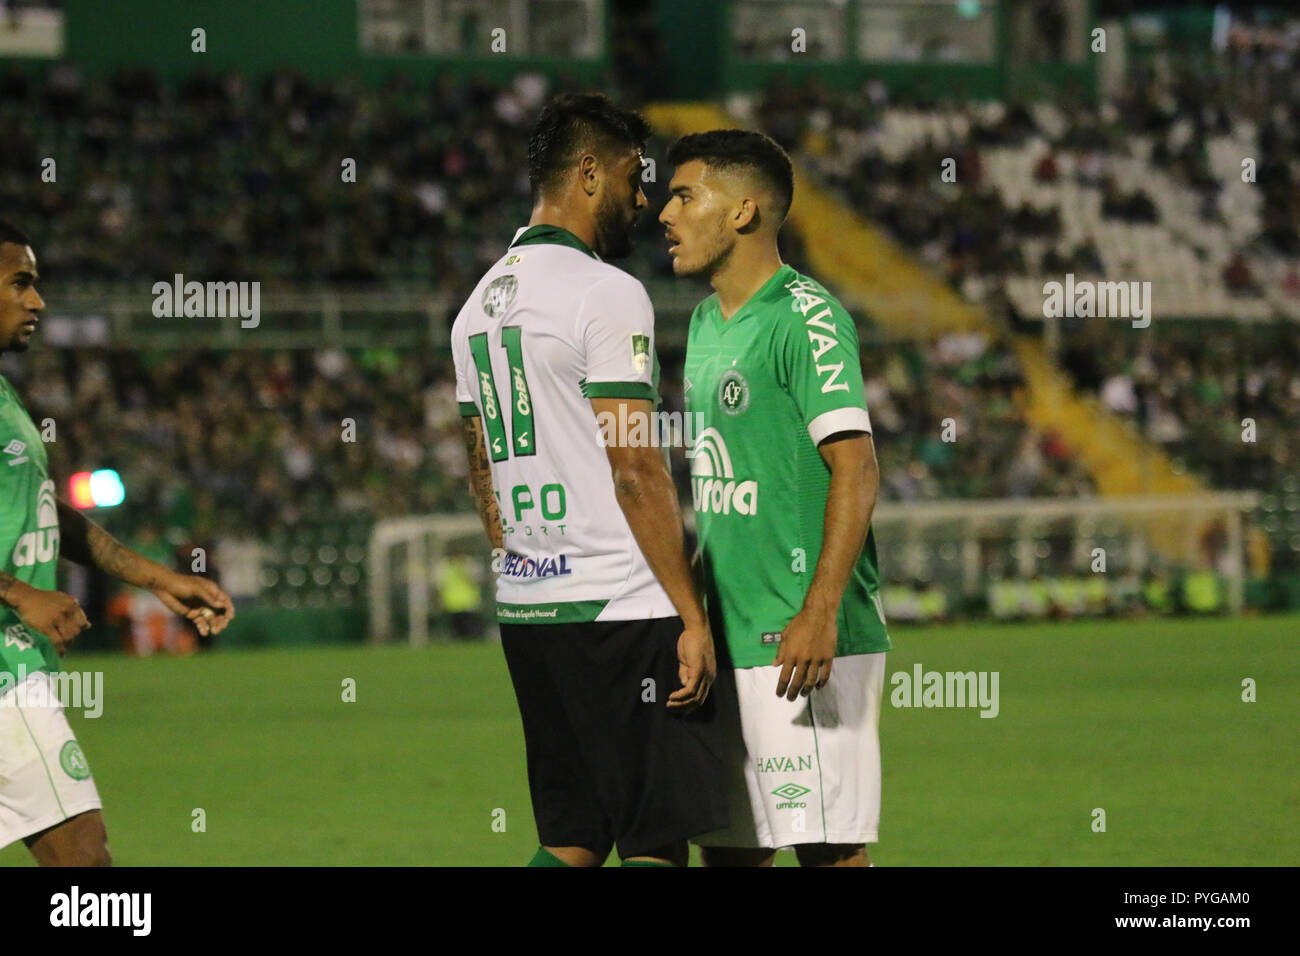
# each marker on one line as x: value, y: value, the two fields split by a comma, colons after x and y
x: 191, y: 596
x: 83, y: 541
x: 480, y: 480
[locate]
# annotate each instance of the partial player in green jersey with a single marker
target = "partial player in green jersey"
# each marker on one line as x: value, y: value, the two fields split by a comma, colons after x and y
x: 47, y: 795
x: 784, y: 481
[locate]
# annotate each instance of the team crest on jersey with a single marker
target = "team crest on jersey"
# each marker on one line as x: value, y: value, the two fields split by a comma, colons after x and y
x: 500, y: 295
x: 733, y: 392
x: 73, y: 761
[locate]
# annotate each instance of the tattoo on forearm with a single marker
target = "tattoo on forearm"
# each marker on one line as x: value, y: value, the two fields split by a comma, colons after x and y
x: 114, y: 559
x: 480, y: 476
x: 85, y: 542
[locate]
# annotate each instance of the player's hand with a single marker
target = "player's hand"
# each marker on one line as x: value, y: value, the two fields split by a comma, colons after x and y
x: 56, y: 615
x: 806, y: 654
x: 198, y: 599
x: 696, y: 669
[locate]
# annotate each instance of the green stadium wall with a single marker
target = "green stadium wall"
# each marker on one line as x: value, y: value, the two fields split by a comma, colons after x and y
x: 255, y: 37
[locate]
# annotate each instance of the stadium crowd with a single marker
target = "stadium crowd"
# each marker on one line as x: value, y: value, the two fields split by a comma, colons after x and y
x: 1222, y: 400
x: 240, y: 441
x: 1138, y: 160
x: 227, y: 177
x: 967, y: 227
x: 218, y: 177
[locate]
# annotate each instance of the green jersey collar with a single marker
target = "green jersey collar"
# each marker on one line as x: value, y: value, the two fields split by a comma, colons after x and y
x: 554, y: 235
x: 764, y: 293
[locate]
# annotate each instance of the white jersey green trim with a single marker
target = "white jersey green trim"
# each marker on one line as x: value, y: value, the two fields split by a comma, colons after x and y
x: 565, y: 612
x: 620, y: 390
x: 547, y: 328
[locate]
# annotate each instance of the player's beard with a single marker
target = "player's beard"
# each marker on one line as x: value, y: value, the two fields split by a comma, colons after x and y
x: 613, y: 230
x: 16, y: 343
x: 711, y: 261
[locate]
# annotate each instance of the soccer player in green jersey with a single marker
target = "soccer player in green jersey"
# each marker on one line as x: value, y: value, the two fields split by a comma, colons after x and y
x: 784, y: 481
x: 48, y: 797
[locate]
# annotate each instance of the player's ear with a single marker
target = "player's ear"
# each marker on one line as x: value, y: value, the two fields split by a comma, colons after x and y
x: 746, y: 215
x: 589, y: 173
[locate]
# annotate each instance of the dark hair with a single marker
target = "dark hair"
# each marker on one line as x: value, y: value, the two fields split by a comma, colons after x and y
x: 11, y: 233
x: 579, y: 121
x: 741, y: 149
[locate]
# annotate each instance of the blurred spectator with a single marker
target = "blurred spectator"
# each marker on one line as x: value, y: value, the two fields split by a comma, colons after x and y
x: 1046, y: 169
x: 1238, y: 277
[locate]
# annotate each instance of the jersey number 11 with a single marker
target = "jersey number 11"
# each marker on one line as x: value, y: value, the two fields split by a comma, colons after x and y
x: 524, y: 438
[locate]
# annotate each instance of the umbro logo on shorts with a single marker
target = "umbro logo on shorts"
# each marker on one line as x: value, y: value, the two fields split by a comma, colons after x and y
x: 790, y: 794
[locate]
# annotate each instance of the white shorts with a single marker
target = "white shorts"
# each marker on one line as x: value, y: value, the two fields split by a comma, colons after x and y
x: 44, y: 777
x: 808, y: 770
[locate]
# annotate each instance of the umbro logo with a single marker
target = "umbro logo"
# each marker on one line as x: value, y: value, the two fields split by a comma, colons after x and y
x: 790, y: 794
x: 790, y: 791
x: 16, y: 448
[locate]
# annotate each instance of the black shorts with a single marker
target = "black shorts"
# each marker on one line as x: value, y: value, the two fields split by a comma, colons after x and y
x: 605, y: 765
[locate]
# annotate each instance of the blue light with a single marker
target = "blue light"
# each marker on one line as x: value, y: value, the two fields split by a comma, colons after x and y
x: 106, y: 488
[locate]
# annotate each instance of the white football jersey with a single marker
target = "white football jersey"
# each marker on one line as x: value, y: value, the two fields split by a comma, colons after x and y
x: 549, y: 327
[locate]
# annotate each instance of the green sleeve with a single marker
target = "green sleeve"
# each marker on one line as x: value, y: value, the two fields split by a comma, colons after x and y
x: 817, y: 360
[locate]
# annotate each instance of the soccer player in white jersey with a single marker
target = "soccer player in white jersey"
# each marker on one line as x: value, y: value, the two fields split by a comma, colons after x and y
x: 603, y: 630
x: 784, y: 479
x: 48, y: 796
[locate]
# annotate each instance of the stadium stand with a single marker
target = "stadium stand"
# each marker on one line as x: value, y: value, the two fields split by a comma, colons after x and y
x: 1057, y: 191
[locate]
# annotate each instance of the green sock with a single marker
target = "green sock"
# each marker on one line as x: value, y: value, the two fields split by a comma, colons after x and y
x: 544, y: 857
x: 645, y: 863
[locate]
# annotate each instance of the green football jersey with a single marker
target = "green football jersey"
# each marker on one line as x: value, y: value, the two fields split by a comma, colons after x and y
x: 763, y: 389
x: 29, y: 535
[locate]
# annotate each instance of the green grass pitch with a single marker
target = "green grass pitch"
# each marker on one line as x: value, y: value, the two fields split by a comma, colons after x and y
x: 1143, y: 719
